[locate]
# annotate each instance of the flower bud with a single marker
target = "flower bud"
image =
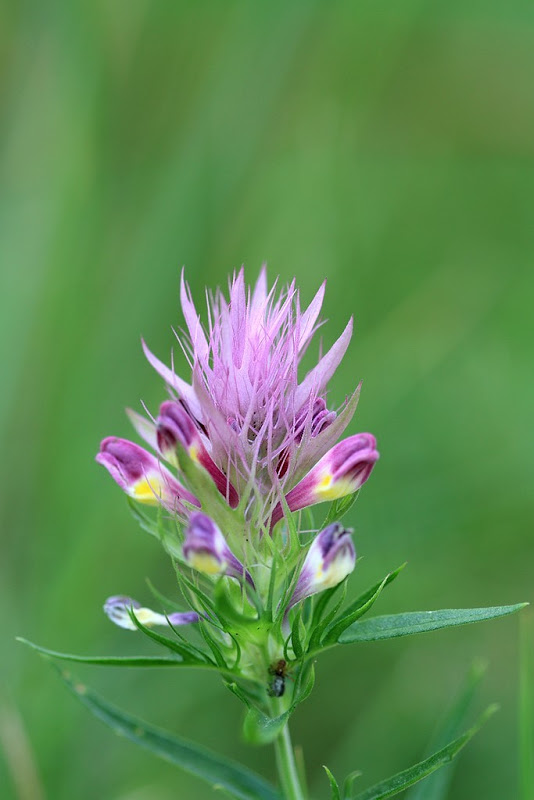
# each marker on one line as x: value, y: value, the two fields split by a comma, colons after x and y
x: 330, y: 559
x: 118, y: 610
x: 140, y: 475
x: 206, y: 550
x: 340, y: 472
x: 176, y: 428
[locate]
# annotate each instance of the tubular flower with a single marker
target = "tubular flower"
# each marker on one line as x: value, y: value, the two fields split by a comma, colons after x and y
x: 140, y: 475
x: 329, y: 560
x: 206, y: 550
x: 119, y: 607
x: 175, y: 428
x: 342, y: 471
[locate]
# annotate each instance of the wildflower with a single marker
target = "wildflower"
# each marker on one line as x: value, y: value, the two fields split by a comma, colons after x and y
x: 140, y: 475
x: 329, y: 560
x: 342, y: 471
x: 176, y: 428
x: 120, y: 608
x: 206, y: 550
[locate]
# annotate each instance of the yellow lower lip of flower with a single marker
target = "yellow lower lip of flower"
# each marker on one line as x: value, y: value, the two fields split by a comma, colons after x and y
x: 327, y: 490
x: 148, y: 492
x: 206, y: 563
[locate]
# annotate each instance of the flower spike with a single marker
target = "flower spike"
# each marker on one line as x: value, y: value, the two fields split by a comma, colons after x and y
x: 206, y: 550
x: 119, y: 607
x: 140, y: 475
x: 330, y: 559
x: 176, y: 428
x: 340, y: 472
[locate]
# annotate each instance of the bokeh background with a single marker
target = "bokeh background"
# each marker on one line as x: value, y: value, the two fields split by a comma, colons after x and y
x: 385, y: 145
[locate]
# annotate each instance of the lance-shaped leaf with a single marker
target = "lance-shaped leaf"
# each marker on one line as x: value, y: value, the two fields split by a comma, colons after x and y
x: 398, y: 783
x: 392, y: 626
x: 214, y: 769
x: 108, y: 661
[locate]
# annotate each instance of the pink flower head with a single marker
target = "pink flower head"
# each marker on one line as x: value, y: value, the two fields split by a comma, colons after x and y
x: 258, y: 419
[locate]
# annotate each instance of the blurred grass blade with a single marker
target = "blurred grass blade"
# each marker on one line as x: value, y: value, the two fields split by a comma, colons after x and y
x: 526, y: 712
x: 398, y: 783
x: 334, y: 786
x: 210, y: 767
x: 437, y: 786
x: 406, y: 624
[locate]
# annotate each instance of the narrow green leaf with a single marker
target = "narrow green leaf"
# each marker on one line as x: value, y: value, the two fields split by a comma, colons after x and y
x: 295, y: 635
x: 526, y: 712
x: 437, y: 786
x: 110, y: 661
x: 210, y: 767
x: 401, y: 781
x: 336, y: 795
x: 336, y: 629
x: 317, y: 634
x: 394, y: 625
x: 362, y: 599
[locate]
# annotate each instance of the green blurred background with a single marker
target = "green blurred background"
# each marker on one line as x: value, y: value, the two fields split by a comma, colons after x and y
x: 385, y: 145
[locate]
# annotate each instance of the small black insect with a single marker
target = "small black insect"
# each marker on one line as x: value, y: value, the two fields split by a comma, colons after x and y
x: 277, y: 684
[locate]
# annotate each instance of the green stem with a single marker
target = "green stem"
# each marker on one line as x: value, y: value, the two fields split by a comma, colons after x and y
x: 287, y: 767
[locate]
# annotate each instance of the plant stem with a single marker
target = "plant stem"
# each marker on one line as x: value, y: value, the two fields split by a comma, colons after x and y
x: 287, y: 767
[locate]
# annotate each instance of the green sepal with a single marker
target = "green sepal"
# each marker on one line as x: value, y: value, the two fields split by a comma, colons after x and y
x: 317, y: 633
x: 212, y: 768
x: 321, y: 603
x: 357, y: 609
x: 398, y: 783
x: 394, y: 625
x: 294, y: 637
x: 213, y: 645
x: 338, y: 509
x: 334, y: 786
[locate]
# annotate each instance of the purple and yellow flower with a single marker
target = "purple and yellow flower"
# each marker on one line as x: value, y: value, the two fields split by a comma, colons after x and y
x: 206, y: 550
x: 342, y: 471
x: 329, y: 560
x: 176, y: 428
x: 119, y: 609
x: 140, y: 475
